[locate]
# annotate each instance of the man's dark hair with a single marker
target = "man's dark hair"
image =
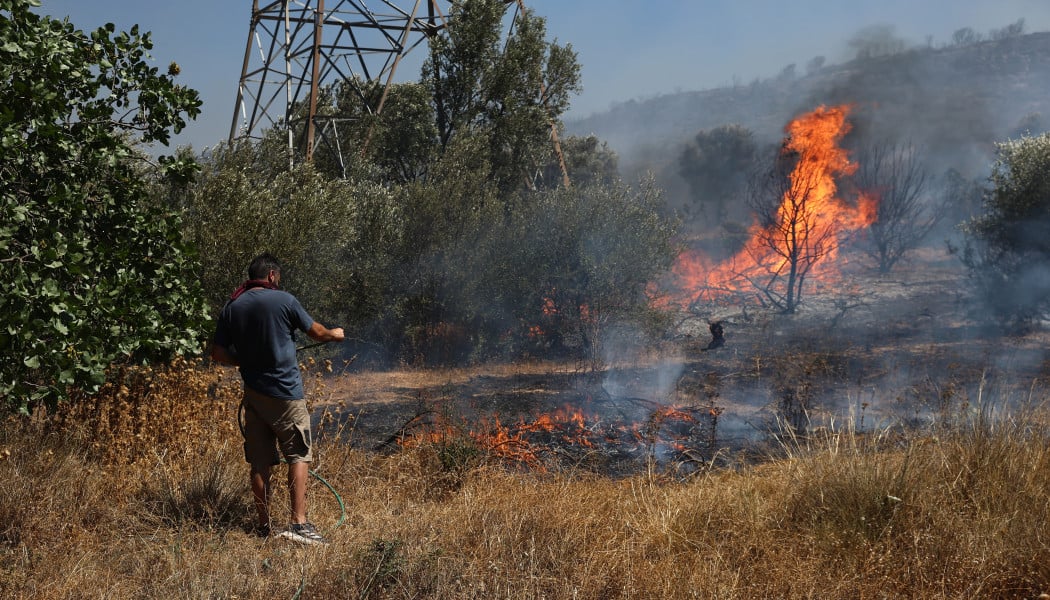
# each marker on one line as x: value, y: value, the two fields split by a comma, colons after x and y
x: 262, y: 265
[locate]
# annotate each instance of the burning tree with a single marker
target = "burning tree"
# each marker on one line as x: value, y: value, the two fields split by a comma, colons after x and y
x: 791, y: 239
x: 800, y: 222
x: 800, y: 218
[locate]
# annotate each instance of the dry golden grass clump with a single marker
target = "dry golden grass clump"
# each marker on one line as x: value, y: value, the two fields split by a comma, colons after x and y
x: 142, y: 414
x: 147, y: 497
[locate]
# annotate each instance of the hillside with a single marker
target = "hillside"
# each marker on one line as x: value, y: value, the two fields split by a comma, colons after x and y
x: 955, y: 101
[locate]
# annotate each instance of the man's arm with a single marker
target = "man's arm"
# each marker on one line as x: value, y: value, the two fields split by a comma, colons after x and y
x: 321, y: 333
x: 221, y: 354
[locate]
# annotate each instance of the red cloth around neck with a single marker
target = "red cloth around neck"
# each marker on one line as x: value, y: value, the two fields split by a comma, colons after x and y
x: 251, y: 283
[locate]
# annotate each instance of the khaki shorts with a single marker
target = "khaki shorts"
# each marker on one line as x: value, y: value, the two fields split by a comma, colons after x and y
x: 270, y: 423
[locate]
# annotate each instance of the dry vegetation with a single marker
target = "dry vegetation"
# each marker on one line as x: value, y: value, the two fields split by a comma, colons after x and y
x: 141, y: 492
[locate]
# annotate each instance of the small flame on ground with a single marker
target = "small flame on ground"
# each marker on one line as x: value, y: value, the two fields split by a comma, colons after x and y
x: 527, y: 442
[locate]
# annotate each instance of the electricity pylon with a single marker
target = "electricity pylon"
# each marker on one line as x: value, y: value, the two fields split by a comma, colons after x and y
x: 296, y: 48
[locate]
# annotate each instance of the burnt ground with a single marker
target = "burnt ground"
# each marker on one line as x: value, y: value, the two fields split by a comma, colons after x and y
x: 871, y: 353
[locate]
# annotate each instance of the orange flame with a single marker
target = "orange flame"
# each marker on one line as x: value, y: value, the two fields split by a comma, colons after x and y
x: 526, y: 442
x: 806, y: 230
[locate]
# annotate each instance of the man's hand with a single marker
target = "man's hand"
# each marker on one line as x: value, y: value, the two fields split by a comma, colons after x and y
x: 223, y: 356
x: 321, y: 333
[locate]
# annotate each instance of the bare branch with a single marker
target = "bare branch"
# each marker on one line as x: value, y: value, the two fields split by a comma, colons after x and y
x: 907, y: 211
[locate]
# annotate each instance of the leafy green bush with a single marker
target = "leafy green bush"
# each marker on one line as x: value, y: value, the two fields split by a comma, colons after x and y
x: 1007, y: 249
x: 93, y: 272
x: 331, y: 235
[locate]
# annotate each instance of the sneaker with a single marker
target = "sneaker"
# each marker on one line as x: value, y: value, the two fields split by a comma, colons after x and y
x: 262, y: 531
x: 304, y: 533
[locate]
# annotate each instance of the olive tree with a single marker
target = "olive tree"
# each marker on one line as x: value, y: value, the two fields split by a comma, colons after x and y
x: 93, y: 272
x: 512, y: 87
x: 481, y: 274
x: 1007, y: 249
x: 400, y: 141
x: 570, y: 263
x: 716, y: 165
x: 587, y: 159
x: 333, y: 235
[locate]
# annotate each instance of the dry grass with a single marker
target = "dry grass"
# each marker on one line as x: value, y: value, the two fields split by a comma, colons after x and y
x: 141, y: 492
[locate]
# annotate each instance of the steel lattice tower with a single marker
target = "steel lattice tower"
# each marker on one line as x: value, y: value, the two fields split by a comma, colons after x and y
x: 297, y: 47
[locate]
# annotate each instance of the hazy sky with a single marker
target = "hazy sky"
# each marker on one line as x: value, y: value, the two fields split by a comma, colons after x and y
x: 629, y: 49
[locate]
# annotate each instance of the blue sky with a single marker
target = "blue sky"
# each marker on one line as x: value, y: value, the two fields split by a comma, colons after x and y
x: 628, y: 49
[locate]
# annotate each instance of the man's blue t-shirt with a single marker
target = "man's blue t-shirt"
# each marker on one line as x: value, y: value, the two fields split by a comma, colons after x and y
x: 259, y: 329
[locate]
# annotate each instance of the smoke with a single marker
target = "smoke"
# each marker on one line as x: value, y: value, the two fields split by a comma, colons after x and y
x: 954, y: 100
x: 625, y: 346
x: 941, y: 101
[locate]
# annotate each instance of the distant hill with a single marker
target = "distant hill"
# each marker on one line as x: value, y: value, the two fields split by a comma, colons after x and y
x: 955, y: 101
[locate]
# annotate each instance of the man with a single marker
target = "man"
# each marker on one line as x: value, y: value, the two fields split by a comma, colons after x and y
x: 255, y: 332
